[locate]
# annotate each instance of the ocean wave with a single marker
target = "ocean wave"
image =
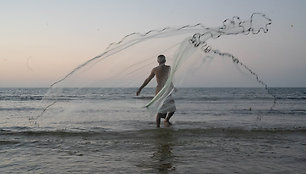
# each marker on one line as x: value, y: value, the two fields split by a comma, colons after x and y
x: 19, y: 109
x: 20, y: 98
x: 143, y: 97
x: 188, y: 94
x: 65, y: 97
x: 147, y: 132
x: 8, y: 142
x: 221, y: 98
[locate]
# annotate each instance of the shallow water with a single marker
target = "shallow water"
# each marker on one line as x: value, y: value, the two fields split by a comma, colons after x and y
x: 107, y: 131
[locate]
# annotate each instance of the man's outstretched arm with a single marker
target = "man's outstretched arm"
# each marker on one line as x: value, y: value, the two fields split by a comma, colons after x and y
x: 146, y: 82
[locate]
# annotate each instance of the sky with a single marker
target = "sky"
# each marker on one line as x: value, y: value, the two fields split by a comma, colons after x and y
x: 43, y: 40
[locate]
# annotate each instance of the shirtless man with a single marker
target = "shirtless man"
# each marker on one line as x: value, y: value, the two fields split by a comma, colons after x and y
x: 161, y: 72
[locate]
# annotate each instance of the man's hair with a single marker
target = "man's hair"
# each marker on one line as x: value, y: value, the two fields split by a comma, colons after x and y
x: 161, y: 59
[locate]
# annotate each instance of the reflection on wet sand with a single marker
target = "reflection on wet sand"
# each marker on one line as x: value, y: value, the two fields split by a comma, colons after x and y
x: 163, y: 159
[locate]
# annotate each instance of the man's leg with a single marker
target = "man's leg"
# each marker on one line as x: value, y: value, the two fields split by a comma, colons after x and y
x: 167, y: 122
x: 158, y: 117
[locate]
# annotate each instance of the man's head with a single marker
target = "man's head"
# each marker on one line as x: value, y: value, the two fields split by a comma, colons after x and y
x: 161, y: 59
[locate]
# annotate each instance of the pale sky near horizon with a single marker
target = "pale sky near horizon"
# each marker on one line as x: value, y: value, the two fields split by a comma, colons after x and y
x: 42, y: 40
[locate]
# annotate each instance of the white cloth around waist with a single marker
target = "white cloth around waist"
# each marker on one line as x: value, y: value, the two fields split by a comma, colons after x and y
x: 168, y: 105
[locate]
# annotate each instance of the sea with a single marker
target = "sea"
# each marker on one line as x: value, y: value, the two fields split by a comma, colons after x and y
x: 107, y: 130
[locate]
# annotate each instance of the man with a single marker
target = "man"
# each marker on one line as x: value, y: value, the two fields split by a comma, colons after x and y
x: 161, y: 72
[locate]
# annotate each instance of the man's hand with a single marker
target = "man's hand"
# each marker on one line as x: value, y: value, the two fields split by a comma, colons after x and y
x: 138, y: 92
